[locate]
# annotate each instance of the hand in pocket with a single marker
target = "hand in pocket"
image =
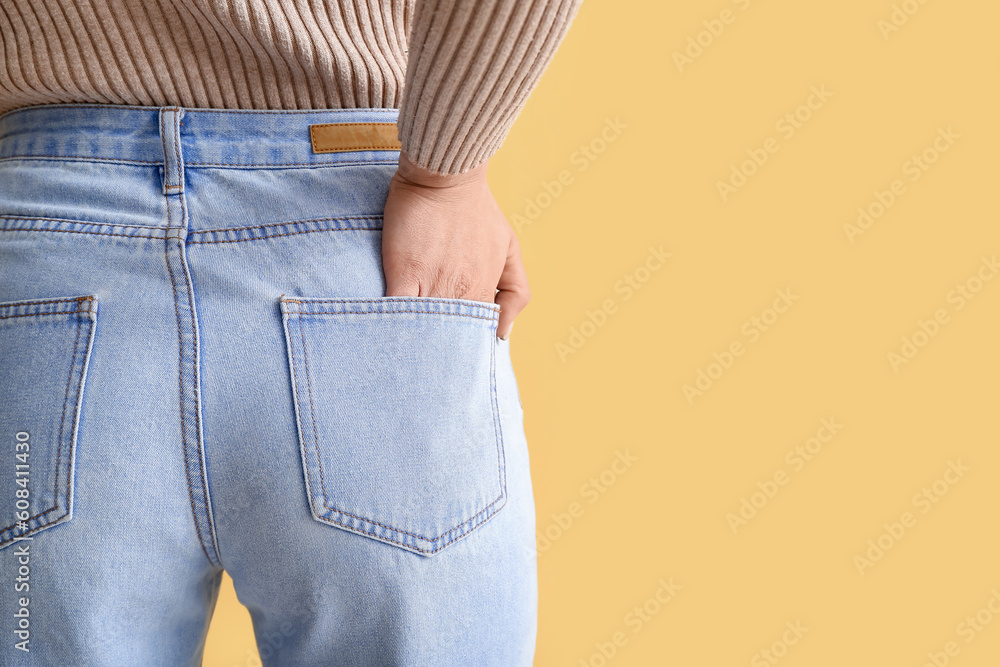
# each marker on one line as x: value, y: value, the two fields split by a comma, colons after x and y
x: 444, y: 235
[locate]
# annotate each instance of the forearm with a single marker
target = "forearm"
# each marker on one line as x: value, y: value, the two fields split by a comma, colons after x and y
x: 471, y: 66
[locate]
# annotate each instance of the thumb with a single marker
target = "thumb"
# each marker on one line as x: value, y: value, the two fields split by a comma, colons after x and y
x: 513, y: 293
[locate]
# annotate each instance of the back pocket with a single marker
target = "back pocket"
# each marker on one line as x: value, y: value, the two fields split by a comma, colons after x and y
x: 396, y: 404
x: 44, y: 351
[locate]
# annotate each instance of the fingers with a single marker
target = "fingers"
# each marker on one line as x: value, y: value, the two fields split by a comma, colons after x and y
x: 398, y: 283
x: 401, y: 277
x: 410, y: 278
x: 513, y: 294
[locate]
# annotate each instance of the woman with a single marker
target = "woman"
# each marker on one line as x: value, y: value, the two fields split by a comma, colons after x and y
x: 255, y: 297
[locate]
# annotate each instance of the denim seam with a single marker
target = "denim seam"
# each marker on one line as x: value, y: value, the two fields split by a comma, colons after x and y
x: 339, y: 161
x: 62, y: 423
x: 163, y: 145
x: 294, y: 222
x: 81, y: 158
x: 274, y: 236
x: 77, y: 301
x: 497, y: 426
x: 422, y: 300
x: 156, y: 232
x: 179, y: 156
x: 297, y: 410
x: 70, y: 220
x: 81, y: 231
x: 397, y: 530
x: 167, y: 228
x: 180, y: 370
x: 180, y: 385
x: 56, y: 312
x: 319, y: 459
x: 312, y: 407
x: 184, y: 214
x: 62, y: 419
x: 391, y: 312
x: 197, y: 394
x: 91, y: 324
x: 48, y: 522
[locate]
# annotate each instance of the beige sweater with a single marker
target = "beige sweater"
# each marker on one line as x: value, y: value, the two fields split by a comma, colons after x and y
x: 458, y: 70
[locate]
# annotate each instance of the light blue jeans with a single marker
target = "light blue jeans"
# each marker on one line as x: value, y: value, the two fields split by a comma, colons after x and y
x: 200, y: 370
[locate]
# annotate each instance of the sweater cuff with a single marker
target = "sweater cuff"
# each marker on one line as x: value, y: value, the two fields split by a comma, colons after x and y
x: 471, y: 66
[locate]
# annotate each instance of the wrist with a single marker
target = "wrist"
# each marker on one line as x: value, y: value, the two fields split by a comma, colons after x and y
x: 411, y: 173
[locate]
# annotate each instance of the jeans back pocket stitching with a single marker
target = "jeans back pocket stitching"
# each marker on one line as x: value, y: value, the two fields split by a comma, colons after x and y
x: 501, y: 459
x: 298, y: 411
x: 62, y: 424
x: 497, y: 426
x: 479, y: 305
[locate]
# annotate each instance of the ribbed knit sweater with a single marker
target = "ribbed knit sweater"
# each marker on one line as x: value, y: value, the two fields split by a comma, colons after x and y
x: 459, y: 71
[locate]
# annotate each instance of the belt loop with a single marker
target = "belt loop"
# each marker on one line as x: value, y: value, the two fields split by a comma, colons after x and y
x: 173, y: 158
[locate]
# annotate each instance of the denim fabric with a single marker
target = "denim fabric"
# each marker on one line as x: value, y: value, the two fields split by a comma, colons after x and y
x: 200, y: 370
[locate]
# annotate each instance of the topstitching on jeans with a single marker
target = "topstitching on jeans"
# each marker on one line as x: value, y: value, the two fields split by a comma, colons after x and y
x: 197, y: 391
x: 319, y: 459
x: 180, y: 384
x: 78, y: 158
x: 170, y: 266
x: 159, y: 232
x: 293, y: 222
x: 342, y: 162
x: 62, y: 422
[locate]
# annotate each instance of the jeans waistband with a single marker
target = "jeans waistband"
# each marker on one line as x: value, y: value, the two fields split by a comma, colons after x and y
x: 178, y: 137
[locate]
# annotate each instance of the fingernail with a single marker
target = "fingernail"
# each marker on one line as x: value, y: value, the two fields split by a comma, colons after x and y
x: 506, y: 334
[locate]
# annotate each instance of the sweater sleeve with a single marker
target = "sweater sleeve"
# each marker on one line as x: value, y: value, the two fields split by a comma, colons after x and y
x: 470, y: 68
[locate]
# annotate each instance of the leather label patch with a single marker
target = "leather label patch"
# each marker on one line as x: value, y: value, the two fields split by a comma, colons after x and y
x: 340, y: 137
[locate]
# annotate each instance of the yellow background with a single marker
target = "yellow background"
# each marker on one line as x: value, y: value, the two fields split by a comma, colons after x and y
x: 827, y: 357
